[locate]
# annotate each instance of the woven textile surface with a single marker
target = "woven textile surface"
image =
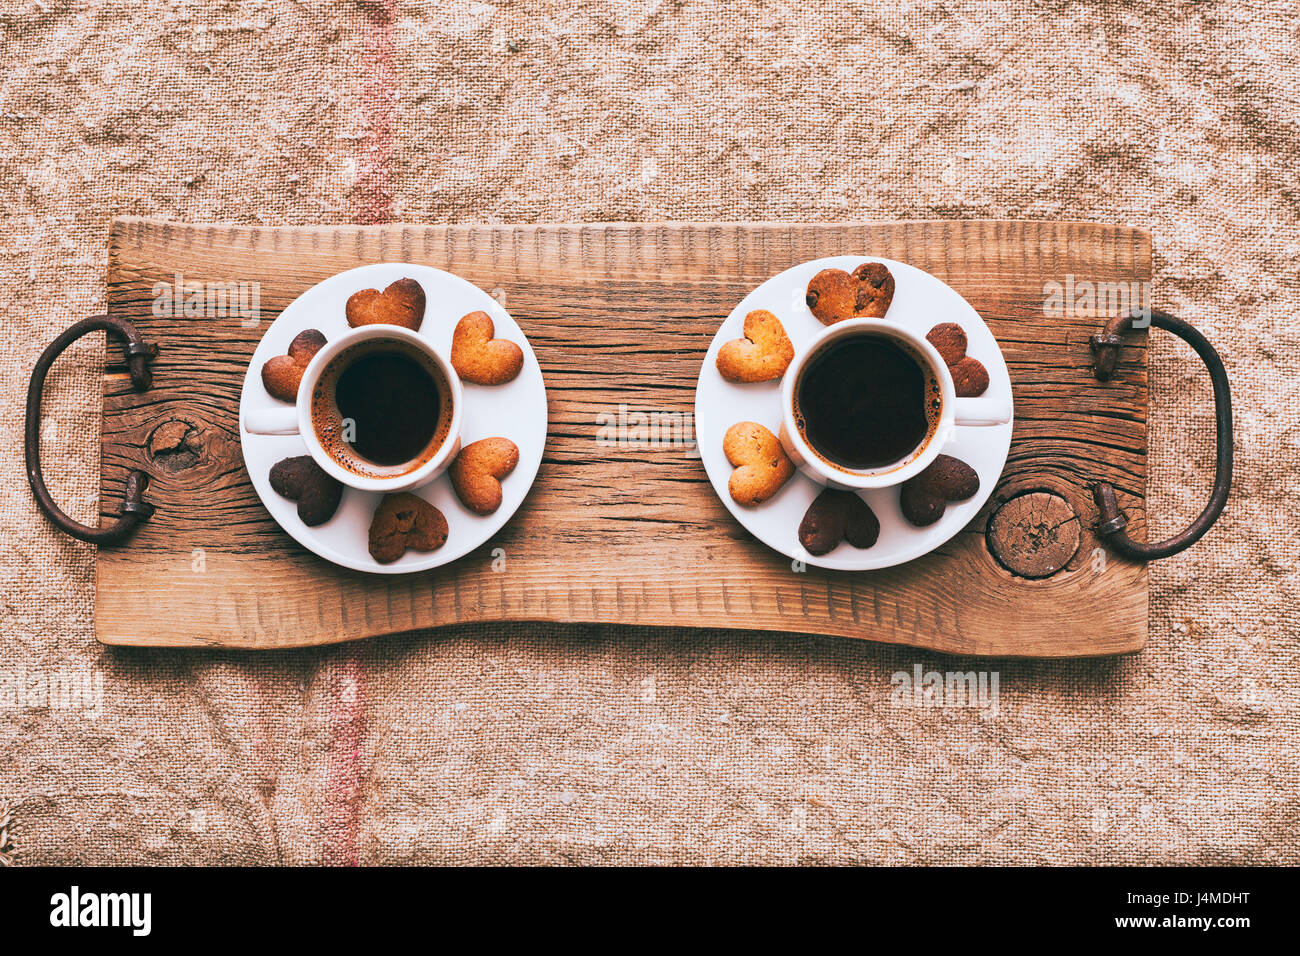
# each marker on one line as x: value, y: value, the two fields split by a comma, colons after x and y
x: 547, y: 743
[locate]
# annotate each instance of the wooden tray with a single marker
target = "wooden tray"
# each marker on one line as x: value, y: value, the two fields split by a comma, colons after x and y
x: 620, y: 316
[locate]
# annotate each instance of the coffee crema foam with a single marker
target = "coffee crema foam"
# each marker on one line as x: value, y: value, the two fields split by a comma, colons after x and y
x: 932, y: 402
x: 329, y: 423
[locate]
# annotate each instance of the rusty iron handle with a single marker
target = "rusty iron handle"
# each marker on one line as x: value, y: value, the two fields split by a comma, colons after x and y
x: 134, y: 508
x: 1111, y: 521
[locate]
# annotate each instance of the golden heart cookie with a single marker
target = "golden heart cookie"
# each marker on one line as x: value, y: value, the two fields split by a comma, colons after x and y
x: 477, y: 472
x: 969, y: 376
x: 479, y: 358
x: 402, y: 303
x: 836, y: 516
x: 835, y: 295
x: 762, y: 355
x: 282, y: 374
x: 924, y: 498
x: 761, y: 464
x: 405, y: 521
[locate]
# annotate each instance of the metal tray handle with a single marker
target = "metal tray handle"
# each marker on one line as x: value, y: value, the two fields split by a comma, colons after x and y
x: 1111, y: 521
x: 134, y: 508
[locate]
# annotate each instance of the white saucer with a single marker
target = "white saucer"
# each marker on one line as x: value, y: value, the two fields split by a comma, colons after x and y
x: 920, y: 302
x: 516, y: 410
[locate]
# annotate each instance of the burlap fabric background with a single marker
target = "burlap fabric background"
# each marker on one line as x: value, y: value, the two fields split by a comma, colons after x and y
x: 571, y: 744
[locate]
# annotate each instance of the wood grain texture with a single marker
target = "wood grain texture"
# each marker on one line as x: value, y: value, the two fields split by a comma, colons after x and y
x: 619, y: 315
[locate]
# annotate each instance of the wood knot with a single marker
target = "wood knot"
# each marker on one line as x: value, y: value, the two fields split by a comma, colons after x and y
x: 1034, y: 535
x: 174, y: 446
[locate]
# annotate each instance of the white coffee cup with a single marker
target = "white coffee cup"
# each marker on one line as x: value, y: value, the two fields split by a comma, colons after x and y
x: 297, y: 419
x: 953, y: 411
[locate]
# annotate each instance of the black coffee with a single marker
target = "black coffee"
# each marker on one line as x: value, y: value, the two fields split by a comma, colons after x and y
x: 380, y: 406
x: 864, y: 402
x: 394, y: 404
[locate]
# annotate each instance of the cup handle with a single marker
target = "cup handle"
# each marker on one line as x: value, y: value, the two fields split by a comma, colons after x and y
x: 982, y: 411
x: 272, y: 421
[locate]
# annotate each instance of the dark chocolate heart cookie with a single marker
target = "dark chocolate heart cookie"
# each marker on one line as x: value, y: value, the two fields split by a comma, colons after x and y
x: 969, y: 376
x: 924, y: 499
x: 300, y: 479
x: 836, y: 516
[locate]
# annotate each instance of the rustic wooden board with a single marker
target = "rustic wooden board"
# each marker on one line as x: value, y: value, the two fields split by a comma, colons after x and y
x: 618, y: 315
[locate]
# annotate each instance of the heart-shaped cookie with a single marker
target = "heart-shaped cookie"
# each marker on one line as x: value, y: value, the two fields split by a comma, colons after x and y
x: 477, y: 472
x: 402, y: 303
x: 835, y: 295
x: 924, y: 498
x: 282, y: 374
x: 969, y: 376
x: 836, y: 516
x: 300, y: 479
x: 405, y: 522
x: 761, y: 464
x: 479, y: 358
x: 762, y: 355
